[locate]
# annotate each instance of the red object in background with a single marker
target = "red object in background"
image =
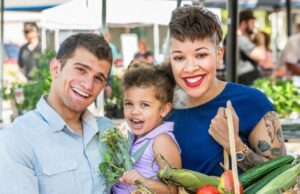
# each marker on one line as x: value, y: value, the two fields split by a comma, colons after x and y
x: 118, y: 62
x: 226, y: 184
x: 207, y: 189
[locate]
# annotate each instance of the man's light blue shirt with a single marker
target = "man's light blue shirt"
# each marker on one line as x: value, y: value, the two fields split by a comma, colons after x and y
x: 40, y: 154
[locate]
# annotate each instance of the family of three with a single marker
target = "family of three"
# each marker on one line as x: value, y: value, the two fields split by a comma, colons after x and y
x: 54, y: 148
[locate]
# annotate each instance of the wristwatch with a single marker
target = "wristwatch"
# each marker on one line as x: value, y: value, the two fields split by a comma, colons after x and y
x: 240, y: 155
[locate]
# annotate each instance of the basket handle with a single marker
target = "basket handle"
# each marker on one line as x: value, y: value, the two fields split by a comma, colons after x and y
x: 232, y: 152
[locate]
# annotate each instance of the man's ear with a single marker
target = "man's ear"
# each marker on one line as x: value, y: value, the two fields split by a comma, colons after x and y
x: 55, y: 67
x: 166, y: 108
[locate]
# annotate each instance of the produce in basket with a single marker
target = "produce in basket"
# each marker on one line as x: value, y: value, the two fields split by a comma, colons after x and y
x: 226, y: 184
x: 188, y: 179
x: 256, y: 173
x: 207, y: 189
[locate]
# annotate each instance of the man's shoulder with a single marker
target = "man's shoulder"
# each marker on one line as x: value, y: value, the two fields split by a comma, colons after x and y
x: 104, y: 123
x: 24, y: 124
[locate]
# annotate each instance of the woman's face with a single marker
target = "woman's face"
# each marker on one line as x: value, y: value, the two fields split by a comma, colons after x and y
x: 194, y: 66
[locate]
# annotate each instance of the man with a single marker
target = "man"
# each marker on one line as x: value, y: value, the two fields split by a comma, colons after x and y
x: 249, y: 54
x: 290, y: 57
x: 54, y: 148
x: 31, y: 50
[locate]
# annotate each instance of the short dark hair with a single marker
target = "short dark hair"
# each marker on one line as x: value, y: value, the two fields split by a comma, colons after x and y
x: 193, y: 23
x: 145, y: 75
x: 246, y: 15
x: 94, y: 43
x: 32, y: 25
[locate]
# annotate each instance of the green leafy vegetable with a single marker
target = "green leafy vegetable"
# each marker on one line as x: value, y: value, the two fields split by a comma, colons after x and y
x: 283, y: 94
x: 115, y: 151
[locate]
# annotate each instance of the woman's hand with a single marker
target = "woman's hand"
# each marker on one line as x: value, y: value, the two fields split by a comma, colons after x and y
x: 218, y: 128
x: 131, y: 177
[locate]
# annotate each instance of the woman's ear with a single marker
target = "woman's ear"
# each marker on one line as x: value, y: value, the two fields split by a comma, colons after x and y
x: 165, y: 109
x: 55, y: 67
x: 220, y: 53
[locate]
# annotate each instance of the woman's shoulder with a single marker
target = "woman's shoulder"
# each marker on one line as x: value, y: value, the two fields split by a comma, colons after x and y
x: 243, y: 90
x: 248, y: 98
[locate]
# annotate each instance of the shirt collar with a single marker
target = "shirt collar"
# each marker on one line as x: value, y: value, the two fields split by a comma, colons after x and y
x: 56, y: 121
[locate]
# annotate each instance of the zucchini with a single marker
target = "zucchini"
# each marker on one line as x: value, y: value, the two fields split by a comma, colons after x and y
x: 283, y: 181
x: 265, y: 180
x: 259, y: 171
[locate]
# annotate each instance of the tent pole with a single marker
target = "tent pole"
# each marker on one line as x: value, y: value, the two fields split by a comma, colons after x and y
x: 103, y: 25
x: 178, y: 3
x: 289, y: 17
x: 1, y: 59
x: 231, y: 43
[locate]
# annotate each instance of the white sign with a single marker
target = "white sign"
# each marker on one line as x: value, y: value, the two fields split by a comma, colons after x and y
x: 129, y: 46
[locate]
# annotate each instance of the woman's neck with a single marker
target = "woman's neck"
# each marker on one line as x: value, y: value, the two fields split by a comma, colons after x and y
x: 215, y: 90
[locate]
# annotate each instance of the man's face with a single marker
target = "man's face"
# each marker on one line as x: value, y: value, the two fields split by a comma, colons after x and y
x: 30, y: 32
x: 250, y: 26
x: 77, y: 83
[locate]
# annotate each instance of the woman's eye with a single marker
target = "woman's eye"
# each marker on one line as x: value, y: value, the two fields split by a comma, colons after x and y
x: 201, y: 55
x: 178, y: 58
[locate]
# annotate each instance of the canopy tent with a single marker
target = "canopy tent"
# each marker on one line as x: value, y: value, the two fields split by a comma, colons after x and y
x: 17, y: 5
x: 118, y: 13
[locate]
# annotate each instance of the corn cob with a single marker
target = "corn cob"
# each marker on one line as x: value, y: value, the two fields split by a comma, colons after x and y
x: 283, y: 181
x: 188, y: 179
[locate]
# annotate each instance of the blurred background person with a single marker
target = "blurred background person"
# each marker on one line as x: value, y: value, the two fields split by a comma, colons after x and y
x: 30, y: 50
x: 143, y: 48
x: 249, y: 54
x: 290, y: 56
x: 113, y: 47
x: 262, y: 41
x: 148, y: 57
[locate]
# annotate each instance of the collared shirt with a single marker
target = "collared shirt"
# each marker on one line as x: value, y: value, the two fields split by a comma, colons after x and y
x: 40, y: 154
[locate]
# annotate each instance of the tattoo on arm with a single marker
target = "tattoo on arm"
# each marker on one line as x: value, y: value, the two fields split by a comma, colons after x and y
x: 269, y: 119
x: 265, y: 149
x: 251, y: 159
x: 263, y: 146
x: 275, y: 134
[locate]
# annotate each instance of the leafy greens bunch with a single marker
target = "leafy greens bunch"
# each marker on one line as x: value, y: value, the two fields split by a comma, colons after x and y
x: 115, y: 151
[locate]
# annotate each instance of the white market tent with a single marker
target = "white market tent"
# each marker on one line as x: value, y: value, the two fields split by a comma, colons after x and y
x: 87, y: 15
x: 78, y: 15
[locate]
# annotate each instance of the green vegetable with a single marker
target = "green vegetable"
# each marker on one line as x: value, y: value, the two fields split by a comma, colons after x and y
x: 269, y: 177
x: 283, y: 181
x: 188, y: 179
x: 283, y: 94
x: 115, y: 151
x: 252, y: 175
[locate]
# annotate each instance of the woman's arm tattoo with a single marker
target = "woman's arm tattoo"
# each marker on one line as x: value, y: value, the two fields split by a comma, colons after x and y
x: 265, y: 147
x: 251, y: 159
x: 275, y: 133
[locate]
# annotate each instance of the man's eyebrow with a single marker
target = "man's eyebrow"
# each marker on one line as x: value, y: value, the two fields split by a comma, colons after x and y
x: 89, y: 68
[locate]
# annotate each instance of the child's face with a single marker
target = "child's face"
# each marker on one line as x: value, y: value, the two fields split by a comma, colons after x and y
x: 142, y: 111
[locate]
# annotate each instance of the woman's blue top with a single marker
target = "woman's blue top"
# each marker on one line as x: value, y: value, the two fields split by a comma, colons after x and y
x: 199, y: 151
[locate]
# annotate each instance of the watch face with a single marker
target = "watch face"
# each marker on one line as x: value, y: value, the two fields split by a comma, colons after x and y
x: 240, y: 156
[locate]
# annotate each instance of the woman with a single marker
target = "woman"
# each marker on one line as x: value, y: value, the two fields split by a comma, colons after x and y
x: 200, y: 121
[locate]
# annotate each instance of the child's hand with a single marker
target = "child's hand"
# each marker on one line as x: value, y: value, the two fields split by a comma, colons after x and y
x: 131, y: 177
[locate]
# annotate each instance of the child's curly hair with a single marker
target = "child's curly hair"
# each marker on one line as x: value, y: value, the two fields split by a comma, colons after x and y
x: 141, y: 74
